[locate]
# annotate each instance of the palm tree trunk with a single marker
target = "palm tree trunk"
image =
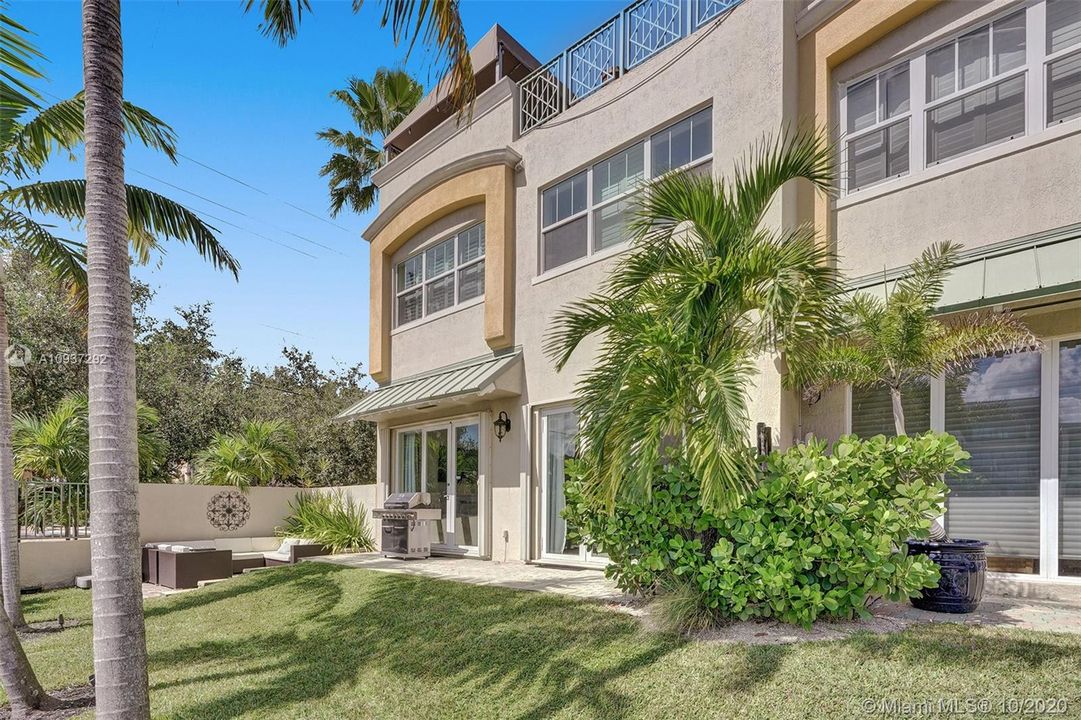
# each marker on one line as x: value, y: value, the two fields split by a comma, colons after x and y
x: 898, y: 411
x: 21, y: 685
x: 9, y: 488
x: 119, y: 632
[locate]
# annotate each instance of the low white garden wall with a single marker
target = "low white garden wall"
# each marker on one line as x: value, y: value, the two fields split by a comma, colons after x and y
x: 177, y: 512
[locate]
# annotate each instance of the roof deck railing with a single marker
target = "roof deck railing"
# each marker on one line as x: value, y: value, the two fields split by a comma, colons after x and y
x: 640, y: 31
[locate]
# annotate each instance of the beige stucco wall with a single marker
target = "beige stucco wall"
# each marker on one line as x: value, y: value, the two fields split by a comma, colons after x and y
x: 54, y: 562
x: 716, y: 70
x: 1028, y: 190
x: 172, y: 512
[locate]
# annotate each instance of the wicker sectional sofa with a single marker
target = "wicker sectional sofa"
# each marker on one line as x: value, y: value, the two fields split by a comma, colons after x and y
x: 184, y: 563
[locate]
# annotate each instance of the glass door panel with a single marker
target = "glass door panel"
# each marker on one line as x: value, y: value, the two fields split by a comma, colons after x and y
x: 465, y: 491
x: 435, y: 477
x: 409, y: 461
x: 994, y: 412
x: 1069, y: 458
x: 560, y: 445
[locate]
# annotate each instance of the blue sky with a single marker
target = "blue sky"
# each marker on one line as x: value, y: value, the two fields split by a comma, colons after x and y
x: 249, y: 109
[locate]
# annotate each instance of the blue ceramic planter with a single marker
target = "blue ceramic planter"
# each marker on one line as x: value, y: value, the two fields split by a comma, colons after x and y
x: 963, y: 564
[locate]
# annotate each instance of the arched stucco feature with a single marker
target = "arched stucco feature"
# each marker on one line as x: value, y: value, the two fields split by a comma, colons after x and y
x: 493, y: 186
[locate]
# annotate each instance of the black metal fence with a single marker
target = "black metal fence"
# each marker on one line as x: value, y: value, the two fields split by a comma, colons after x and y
x: 54, y: 509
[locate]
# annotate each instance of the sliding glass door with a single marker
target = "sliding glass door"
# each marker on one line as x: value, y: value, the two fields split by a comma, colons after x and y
x: 1019, y: 416
x: 428, y: 462
x: 559, y: 443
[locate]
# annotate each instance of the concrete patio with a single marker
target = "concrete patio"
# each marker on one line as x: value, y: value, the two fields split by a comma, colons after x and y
x: 1061, y: 614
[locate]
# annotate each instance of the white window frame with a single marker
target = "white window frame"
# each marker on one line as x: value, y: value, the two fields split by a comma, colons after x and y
x: 1035, y: 71
x: 1050, y: 368
x: 425, y: 280
x: 880, y: 124
x: 592, y: 207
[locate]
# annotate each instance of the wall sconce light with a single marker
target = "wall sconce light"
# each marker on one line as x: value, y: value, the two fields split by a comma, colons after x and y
x: 502, y: 425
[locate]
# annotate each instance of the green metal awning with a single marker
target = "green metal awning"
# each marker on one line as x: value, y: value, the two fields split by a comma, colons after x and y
x: 1026, y: 267
x: 477, y: 379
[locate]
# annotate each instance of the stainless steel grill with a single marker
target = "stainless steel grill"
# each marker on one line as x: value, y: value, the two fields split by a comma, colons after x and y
x: 406, y: 533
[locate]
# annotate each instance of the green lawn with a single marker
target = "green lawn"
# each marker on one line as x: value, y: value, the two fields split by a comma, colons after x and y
x: 320, y: 641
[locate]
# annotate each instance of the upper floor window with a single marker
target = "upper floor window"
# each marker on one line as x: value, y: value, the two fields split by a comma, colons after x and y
x: 443, y: 275
x: 589, y: 211
x: 963, y: 95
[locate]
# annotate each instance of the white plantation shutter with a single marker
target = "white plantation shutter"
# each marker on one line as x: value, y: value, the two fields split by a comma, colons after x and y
x: 1069, y: 458
x: 872, y: 410
x: 994, y: 412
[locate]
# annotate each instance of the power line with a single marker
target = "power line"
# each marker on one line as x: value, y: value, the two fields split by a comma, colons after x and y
x: 239, y: 212
x: 258, y: 235
x: 264, y: 192
x: 291, y: 332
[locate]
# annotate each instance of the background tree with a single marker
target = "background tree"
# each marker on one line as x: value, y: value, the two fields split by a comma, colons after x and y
x: 377, y: 107
x: 704, y: 290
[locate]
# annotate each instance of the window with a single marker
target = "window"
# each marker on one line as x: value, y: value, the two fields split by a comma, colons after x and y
x: 966, y: 94
x: 590, y: 211
x: 441, y: 276
x: 1063, y: 72
x: 878, y: 123
x: 872, y: 410
x: 958, y: 121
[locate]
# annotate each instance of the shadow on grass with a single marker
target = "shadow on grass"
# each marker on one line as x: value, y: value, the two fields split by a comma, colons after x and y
x: 541, y: 652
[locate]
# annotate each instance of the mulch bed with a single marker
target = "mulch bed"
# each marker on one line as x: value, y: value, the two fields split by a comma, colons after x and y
x: 73, y: 701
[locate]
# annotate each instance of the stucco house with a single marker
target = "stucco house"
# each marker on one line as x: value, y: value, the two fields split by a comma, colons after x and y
x: 954, y: 120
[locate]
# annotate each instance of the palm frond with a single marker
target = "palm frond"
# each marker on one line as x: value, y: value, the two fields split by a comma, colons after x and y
x: 439, y: 24
x: 978, y: 335
x: 148, y: 213
x: 281, y: 18
x: 59, y: 127
x: 66, y: 258
x: 927, y: 276
x: 17, y: 65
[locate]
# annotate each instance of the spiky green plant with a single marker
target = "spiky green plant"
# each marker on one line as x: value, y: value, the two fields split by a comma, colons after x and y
x: 333, y: 519
x: 705, y: 289
x: 895, y: 340
x: 262, y: 453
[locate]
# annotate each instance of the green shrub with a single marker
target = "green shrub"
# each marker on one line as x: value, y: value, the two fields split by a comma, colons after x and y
x: 332, y: 519
x: 821, y: 534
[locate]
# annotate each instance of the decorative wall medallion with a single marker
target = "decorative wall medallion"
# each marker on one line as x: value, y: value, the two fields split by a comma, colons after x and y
x: 228, y: 510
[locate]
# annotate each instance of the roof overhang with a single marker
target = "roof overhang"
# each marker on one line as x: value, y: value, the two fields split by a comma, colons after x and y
x: 1032, y: 266
x: 485, y: 378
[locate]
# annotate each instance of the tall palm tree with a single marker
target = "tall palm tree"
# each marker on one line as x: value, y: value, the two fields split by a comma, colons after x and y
x: 377, y: 107
x: 893, y: 341
x: 260, y: 454
x: 119, y: 631
x: 437, y: 23
x: 30, y: 137
x: 704, y: 290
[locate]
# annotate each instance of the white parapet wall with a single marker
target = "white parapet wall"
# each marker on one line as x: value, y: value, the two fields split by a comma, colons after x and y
x: 174, y: 512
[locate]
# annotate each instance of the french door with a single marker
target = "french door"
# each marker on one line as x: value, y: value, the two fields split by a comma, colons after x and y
x: 559, y: 443
x: 443, y: 460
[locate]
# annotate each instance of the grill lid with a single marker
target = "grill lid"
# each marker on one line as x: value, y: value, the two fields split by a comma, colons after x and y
x: 408, y: 501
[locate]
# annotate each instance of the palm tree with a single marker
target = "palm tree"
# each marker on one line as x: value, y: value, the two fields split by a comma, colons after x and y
x: 437, y: 22
x: 119, y: 631
x: 31, y: 137
x: 897, y: 340
x: 262, y: 453
x: 704, y: 290
x: 377, y: 107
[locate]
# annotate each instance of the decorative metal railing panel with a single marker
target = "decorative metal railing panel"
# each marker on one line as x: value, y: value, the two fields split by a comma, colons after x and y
x: 709, y: 9
x: 652, y: 25
x: 638, y: 33
x: 594, y: 61
x: 542, y: 94
x: 54, y: 509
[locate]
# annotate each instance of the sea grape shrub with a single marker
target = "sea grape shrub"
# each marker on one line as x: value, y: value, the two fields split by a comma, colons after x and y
x: 821, y: 535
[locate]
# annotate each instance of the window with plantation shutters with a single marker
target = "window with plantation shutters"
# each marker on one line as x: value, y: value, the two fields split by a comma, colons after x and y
x: 872, y: 410
x: 442, y: 276
x: 994, y: 412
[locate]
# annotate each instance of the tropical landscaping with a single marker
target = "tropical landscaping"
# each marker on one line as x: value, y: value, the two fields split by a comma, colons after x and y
x: 703, y: 528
